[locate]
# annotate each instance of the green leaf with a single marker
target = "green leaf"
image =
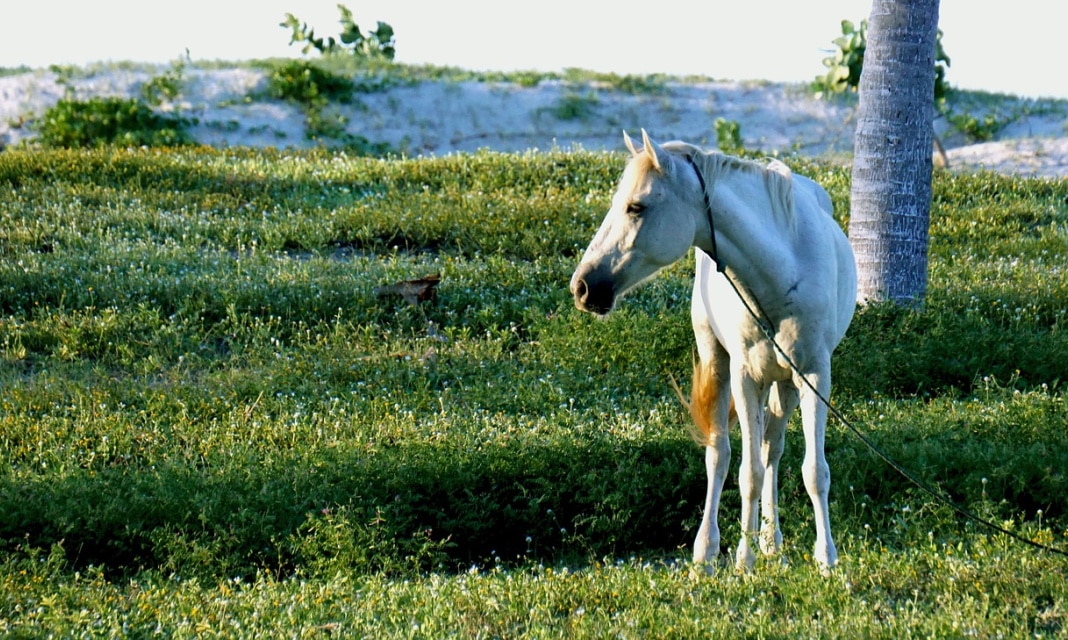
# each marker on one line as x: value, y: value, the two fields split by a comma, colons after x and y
x: 351, y: 35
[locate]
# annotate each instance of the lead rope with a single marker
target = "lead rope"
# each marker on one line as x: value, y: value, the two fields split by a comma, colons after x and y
x: 766, y: 328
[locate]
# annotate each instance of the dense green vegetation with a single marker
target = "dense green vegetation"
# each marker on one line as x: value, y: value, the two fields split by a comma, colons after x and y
x: 210, y: 422
x: 98, y: 122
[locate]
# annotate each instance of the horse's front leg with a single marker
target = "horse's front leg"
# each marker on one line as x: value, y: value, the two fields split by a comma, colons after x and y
x: 781, y: 403
x: 816, y: 471
x: 750, y: 405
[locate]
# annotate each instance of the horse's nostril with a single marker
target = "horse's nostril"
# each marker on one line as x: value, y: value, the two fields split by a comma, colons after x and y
x: 581, y: 290
x: 594, y: 296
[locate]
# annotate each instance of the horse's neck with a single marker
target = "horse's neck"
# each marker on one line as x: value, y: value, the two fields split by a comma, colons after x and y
x: 753, y: 242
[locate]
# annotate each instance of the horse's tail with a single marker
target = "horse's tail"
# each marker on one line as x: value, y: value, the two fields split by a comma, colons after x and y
x: 703, y: 398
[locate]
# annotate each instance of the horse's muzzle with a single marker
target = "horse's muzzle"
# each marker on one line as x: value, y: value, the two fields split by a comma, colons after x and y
x: 593, y: 290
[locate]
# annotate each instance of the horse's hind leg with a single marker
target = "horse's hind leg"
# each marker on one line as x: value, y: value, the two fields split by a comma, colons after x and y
x: 706, y: 402
x: 712, y: 412
x: 781, y: 403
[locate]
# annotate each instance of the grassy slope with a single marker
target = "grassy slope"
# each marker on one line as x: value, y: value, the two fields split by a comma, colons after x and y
x: 208, y: 415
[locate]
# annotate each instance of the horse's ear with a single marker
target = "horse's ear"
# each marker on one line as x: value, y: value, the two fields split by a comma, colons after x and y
x: 651, y: 150
x: 629, y: 143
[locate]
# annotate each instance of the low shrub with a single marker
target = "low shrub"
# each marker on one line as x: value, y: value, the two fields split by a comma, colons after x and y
x: 109, y: 121
x: 305, y: 84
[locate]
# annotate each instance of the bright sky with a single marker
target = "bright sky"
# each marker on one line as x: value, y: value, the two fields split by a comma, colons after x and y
x: 993, y: 48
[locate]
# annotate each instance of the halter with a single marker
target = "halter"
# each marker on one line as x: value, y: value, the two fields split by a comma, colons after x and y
x: 708, y: 210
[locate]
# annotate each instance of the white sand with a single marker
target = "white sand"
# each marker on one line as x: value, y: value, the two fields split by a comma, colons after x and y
x: 443, y: 117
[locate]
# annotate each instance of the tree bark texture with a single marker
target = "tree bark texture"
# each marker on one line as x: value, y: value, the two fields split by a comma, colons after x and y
x: 891, y: 190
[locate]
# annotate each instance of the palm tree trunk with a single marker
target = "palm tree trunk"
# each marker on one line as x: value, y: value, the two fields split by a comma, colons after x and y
x: 891, y: 192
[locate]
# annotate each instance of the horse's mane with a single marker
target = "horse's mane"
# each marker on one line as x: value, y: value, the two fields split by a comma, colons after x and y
x: 777, y: 176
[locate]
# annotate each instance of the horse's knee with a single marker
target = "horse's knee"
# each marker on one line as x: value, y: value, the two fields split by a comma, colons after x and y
x: 751, y: 480
x: 817, y: 476
x: 772, y: 449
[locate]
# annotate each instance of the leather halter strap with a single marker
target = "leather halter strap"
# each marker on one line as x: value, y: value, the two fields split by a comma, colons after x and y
x: 708, y: 211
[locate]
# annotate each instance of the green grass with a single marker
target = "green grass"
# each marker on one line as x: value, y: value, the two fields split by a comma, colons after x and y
x: 211, y: 424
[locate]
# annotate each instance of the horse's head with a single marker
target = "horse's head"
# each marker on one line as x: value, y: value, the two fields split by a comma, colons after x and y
x: 650, y: 225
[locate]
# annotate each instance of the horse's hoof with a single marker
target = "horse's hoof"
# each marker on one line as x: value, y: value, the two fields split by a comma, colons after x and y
x: 745, y: 559
x: 826, y: 558
x: 703, y: 569
x: 825, y: 568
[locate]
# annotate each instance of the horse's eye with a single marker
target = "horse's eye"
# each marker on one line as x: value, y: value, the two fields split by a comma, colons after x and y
x: 635, y: 208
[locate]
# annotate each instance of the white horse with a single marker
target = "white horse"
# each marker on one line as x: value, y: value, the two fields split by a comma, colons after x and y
x: 772, y: 234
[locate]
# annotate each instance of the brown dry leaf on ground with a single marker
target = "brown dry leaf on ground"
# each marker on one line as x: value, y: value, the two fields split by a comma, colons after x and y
x: 414, y: 291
